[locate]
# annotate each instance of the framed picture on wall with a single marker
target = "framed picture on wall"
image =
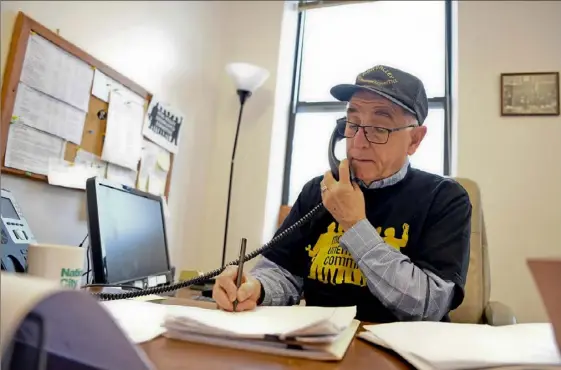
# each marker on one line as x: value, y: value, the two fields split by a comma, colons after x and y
x: 530, y: 94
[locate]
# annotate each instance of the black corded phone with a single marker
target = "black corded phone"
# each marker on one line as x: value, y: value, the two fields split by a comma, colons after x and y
x: 336, y: 136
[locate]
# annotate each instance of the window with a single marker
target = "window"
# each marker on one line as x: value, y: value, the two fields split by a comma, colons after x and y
x: 338, y: 42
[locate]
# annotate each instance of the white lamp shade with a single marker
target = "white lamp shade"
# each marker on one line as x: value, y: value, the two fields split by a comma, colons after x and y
x: 247, y: 76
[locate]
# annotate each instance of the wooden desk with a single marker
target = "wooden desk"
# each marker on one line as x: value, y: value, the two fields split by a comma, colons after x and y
x: 169, y: 354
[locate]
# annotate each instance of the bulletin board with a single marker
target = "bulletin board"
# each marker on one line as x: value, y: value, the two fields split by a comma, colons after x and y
x: 94, y: 130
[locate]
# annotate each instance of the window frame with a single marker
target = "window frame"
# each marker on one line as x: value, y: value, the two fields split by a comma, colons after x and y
x: 297, y: 106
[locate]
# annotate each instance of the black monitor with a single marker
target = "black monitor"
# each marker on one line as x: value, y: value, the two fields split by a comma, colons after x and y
x: 127, y: 234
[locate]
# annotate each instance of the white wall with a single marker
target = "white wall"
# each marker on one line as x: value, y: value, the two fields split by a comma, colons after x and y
x: 254, y: 32
x: 174, y: 55
x: 516, y: 161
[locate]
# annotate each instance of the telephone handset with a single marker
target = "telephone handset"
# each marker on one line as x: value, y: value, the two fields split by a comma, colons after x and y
x: 336, y: 136
x: 319, y: 209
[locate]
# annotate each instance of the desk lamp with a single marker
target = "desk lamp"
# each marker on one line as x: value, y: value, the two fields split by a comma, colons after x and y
x: 247, y: 78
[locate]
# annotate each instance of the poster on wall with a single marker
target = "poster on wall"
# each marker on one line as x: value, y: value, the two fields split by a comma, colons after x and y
x: 163, y: 125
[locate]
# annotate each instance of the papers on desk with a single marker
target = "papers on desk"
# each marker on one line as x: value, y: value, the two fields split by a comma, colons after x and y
x: 281, y: 322
x: 322, y: 333
x: 451, y: 346
x: 140, y: 321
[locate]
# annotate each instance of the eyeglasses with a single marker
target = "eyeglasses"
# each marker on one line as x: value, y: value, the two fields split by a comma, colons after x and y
x: 374, y: 134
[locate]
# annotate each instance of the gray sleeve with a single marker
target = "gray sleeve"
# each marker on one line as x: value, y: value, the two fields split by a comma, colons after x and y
x: 280, y: 287
x: 412, y: 293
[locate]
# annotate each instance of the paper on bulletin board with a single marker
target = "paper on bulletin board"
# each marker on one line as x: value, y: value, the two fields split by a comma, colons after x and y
x: 154, y: 168
x: 29, y: 149
x: 103, y: 85
x: 156, y: 185
x: 68, y: 174
x: 48, y: 114
x: 121, y: 175
x: 91, y: 160
x: 123, y: 135
x: 57, y: 73
x: 163, y: 124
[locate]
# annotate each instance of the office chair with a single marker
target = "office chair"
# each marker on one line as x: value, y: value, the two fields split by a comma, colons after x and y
x: 477, y: 307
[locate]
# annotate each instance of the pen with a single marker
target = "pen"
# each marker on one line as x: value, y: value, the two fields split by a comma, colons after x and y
x: 240, y: 269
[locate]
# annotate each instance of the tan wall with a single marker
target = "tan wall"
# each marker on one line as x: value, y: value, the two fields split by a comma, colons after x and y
x: 515, y: 160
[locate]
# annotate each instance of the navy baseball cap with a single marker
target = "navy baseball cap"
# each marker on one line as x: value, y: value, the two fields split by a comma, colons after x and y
x: 400, y: 87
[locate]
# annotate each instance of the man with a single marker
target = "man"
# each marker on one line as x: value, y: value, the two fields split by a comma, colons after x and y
x: 395, y: 240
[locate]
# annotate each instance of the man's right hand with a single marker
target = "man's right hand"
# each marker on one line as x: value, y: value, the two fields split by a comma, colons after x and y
x: 225, y: 291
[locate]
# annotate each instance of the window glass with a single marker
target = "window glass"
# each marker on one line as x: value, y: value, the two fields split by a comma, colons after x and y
x: 430, y: 154
x: 312, y: 132
x: 341, y: 41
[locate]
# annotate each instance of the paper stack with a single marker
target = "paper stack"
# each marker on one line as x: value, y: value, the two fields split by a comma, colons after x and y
x: 452, y: 346
x: 321, y: 333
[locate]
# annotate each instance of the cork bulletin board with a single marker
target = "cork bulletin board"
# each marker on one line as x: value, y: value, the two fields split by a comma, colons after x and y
x: 92, y: 138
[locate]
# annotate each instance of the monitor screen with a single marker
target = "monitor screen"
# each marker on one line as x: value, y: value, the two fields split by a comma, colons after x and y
x: 132, y: 235
x: 8, y: 210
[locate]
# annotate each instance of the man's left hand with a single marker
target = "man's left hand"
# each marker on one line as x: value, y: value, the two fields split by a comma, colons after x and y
x: 343, y: 198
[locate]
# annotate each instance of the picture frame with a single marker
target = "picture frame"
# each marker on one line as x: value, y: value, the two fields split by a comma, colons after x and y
x: 530, y: 94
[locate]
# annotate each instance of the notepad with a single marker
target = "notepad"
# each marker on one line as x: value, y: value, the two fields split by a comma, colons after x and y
x: 452, y: 346
x: 322, y: 333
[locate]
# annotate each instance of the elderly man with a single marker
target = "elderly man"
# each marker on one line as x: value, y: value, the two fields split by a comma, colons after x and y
x: 395, y: 241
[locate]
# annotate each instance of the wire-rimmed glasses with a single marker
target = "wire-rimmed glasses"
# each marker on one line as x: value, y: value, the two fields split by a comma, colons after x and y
x: 374, y: 134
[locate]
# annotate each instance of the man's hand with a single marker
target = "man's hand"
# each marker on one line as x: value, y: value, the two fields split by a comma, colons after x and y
x: 343, y: 199
x: 225, y: 291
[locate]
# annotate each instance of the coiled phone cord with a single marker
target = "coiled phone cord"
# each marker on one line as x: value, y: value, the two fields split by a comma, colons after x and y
x: 213, y: 273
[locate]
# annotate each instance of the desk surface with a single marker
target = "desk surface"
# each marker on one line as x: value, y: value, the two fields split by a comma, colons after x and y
x: 169, y: 354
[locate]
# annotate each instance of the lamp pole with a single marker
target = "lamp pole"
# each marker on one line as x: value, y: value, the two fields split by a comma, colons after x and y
x: 243, y: 95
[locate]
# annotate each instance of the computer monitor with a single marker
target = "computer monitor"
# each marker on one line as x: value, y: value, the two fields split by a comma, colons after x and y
x: 127, y: 235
